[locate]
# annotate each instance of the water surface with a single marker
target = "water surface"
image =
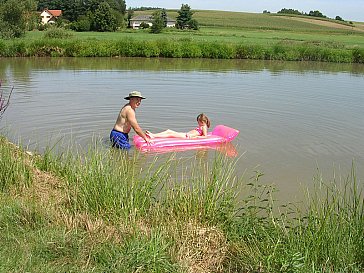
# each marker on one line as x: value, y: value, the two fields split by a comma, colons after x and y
x: 293, y: 117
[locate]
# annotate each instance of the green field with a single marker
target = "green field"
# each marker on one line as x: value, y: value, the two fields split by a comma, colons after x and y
x: 269, y: 28
x: 224, y: 34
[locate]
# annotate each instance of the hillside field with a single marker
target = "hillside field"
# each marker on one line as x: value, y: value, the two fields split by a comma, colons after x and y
x: 262, y: 28
x: 249, y: 28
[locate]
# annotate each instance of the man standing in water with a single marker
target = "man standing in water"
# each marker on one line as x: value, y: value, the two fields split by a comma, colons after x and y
x: 126, y: 120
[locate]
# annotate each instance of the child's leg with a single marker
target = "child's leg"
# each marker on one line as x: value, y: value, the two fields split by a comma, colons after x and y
x: 167, y: 133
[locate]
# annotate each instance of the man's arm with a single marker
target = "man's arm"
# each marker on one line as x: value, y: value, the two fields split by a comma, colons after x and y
x: 130, y: 115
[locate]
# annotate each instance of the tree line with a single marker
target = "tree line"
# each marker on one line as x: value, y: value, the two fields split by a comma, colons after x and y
x: 88, y: 15
x: 18, y: 16
x: 313, y: 13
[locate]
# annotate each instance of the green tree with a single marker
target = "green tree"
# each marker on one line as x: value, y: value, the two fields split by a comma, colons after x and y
x: 164, y: 17
x: 118, y: 5
x: 104, y: 19
x: 12, y: 19
x: 184, y: 18
x: 92, y: 5
x: 339, y: 18
x: 30, y: 16
x: 130, y: 15
x: 119, y: 17
x: 290, y: 11
x: 193, y: 24
x: 72, y: 9
x: 316, y: 13
x: 157, y: 22
x: 82, y: 24
x: 49, y: 4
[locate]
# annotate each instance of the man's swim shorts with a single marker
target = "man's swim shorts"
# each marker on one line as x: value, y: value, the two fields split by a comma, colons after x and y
x: 119, y: 140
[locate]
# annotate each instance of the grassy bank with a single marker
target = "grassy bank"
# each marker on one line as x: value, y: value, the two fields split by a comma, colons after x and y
x: 183, y: 48
x: 100, y: 211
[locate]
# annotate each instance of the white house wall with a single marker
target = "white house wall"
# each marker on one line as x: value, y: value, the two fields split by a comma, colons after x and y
x: 45, y: 17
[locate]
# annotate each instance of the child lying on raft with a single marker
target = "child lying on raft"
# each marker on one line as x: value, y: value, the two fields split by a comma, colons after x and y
x: 200, y: 131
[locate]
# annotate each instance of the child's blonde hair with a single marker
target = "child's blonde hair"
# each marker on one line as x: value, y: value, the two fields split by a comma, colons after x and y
x: 203, y: 118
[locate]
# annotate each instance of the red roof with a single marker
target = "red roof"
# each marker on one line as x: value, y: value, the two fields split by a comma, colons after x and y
x: 55, y: 12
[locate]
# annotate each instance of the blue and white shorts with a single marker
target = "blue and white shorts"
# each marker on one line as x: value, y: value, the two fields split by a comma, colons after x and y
x: 119, y: 140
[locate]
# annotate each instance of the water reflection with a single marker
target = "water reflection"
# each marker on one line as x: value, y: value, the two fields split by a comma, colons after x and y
x: 21, y: 68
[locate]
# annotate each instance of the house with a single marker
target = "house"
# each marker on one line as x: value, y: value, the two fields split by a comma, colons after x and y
x: 148, y: 19
x: 49, y: 16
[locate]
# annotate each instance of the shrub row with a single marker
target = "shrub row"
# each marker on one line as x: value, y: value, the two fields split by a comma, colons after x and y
x: 185, y: 48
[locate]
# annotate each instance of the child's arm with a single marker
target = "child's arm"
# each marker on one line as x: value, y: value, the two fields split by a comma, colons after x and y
x: 204, y: 130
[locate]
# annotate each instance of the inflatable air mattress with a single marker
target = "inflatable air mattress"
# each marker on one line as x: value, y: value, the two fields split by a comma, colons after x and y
x: 220, y: 134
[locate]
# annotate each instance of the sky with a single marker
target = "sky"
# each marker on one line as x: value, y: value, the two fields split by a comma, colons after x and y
x: 349, y: 10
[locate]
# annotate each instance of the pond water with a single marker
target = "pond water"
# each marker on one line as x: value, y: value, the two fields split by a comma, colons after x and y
x: 293, y: 117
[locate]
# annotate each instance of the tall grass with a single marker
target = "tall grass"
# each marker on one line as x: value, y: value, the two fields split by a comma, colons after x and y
x: 114, y: 212
x: 334, y: 225
x: 324, y: 236
x: 13, y: 168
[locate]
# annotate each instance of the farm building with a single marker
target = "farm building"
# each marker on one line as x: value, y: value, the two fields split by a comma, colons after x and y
x: 148, y: 19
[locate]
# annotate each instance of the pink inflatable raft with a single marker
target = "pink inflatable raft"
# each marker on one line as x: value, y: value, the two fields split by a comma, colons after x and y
x: 220, y: 135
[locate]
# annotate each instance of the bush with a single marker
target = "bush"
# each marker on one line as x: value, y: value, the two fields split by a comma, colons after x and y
x: 58, y: 33
x: 143, y: 25
x: 191, y: 50
x: 150, y: 49
x: 254, y: 52
x: 358, y: 55
x: 193, y: 24
x: 170, y: 49
x: 81, y: 25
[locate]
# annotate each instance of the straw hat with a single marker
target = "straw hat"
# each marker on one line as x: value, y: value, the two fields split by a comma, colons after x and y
x: 134, y: 94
